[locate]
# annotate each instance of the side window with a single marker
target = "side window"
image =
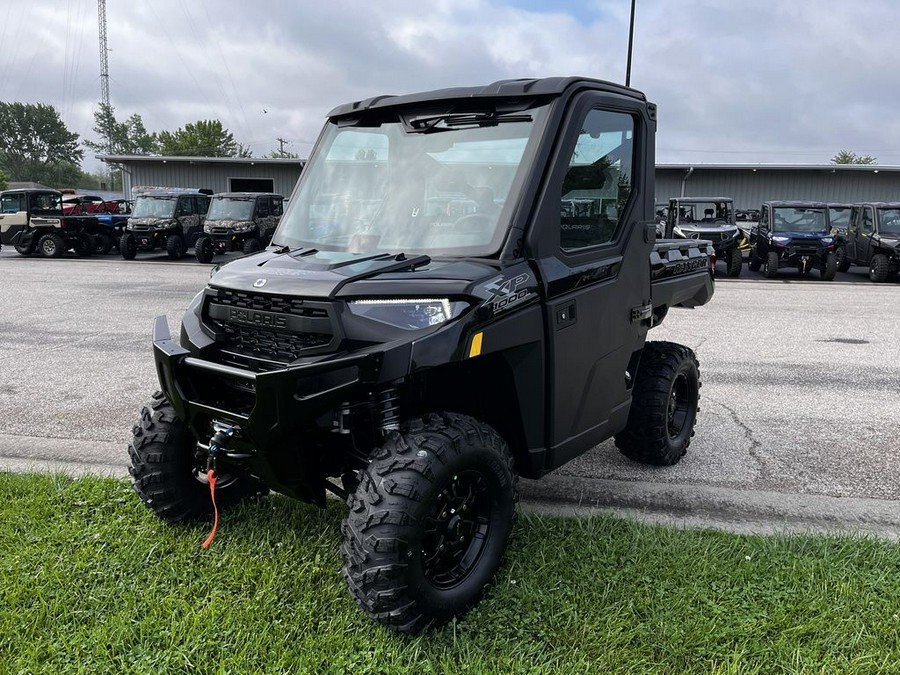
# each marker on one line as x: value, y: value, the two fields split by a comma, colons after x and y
x: 597, y: 184
x: 12, y: 203
x: 186, y: 206
x: 262, y: 207
x: 867, y: 222
x: 202, y: 204
x: 277, y: 206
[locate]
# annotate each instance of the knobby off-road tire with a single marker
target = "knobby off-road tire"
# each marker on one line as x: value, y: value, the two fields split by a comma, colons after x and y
x: 175, y: 247
x: 128, y: 246
x: 165, y: 474
x: 22, y: 249
x: 664, y: 405
x: 878, y: 268
x: 105, y: 243
x: 203, y: 250
x: 843, y: 262
x: 251, y: 246
x: 85, y: 245
x: 771, y: 265
x: 829, y: 267
x: 735, y: 262
x: 429, y: 522
x: 52, y: 245
x: 753, y: 262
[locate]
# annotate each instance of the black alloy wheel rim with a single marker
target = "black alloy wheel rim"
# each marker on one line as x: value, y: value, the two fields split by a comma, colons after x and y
x: 679, y: 406
x: 456, y: 529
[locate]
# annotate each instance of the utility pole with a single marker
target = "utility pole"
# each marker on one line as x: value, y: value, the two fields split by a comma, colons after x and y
x: 281, y: 143
x: 104, y: 77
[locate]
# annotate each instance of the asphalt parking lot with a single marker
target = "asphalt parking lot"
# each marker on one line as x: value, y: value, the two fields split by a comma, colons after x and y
x: 800, y: 395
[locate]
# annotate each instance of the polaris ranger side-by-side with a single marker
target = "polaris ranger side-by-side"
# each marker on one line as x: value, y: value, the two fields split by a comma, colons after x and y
x: 710, y: 218
x: 238, y: 221
x: 873, y: 239
x: 459, y: 293
x: 793, y: 234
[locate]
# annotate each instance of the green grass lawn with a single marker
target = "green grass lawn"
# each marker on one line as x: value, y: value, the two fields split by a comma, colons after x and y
x: 91, y: 582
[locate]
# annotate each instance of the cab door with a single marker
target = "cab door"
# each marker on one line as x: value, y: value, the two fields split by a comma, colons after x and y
x: 853, y: 233
x: 866, y: 230
x: 13, y: 216
x: 594, y: 268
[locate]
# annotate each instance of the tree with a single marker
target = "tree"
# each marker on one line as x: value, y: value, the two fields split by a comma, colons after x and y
x: 4, y: 181
x: 35, y: 144
x: 121, y: 138
x: 204, y: 138
x: 848, y: 157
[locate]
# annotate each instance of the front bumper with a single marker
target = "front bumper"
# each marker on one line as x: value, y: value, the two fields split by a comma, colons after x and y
x: 271, y: 411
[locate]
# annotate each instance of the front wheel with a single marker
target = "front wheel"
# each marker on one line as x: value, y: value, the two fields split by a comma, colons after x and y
x: 772, y: 265
x: 128, y: 246
x: 429, y: 522
x: 753, y: 262
x: 843, y: 262
x: 105, y: 243
x: 169, y: 475
x: 664, y: 405
x: 878, y: 268
x: 735, y: 262
x: 829, y: 267
x: 252, y: 245
x: 175, y: 247
x: 26, y: 249
x: 85, y: 245
x: 203, y: 250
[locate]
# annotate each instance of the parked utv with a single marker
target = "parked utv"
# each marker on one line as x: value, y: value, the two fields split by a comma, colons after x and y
x: 459, y: 294
x: 873, y: 239
x: 32, y: 220
x: 106, y: 221
x: 238, y: 221
x: 793, y: 234
x: 712, y: 219
x: 164, y: 218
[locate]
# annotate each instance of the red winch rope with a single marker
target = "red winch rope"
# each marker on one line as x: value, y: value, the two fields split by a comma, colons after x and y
x: 211, y: 476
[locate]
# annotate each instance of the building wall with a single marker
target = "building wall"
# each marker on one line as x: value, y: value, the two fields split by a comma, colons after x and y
x: 751, y: 188
x: 214, y: 176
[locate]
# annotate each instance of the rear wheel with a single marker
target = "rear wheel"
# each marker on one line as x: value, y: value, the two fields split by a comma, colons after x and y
x: 772, y: 265
x: 52, y: 245
x: 85, y: 245
x: 26, y: 249
x: 128, y: 246
x: 203, y: 250
x: 753, y: 262
x: 735, y: 262
x: 105, y: 243
x: 169, y: 475
x: 429, y: 522
x: 878, y: 268
x: 252, y: 246
x: 175, y: 247
x: 664, y: 405
x: 829, y: 267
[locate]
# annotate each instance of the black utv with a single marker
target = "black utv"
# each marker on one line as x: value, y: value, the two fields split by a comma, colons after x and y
x: 170, y: 219
x: 793, y: 234
x: 873, y: 239
x: 238, y: 221
x: 712, y: 219
x: 459, y: 294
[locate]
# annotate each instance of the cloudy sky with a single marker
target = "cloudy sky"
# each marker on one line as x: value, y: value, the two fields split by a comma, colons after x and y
x: 787, y: 81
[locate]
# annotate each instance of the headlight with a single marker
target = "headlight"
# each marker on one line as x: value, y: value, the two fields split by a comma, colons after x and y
x: 208, y: 228
x: 827, y: 240
x: 678, y: 232
x: 242, y: 227
x: 781, y: 240
x: 411, y: 314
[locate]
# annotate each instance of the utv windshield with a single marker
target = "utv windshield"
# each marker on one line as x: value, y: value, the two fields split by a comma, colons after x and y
x: 889, y: 220
x: 839, y: 216
x: 435, y: 184
x: 154, y: 207
x: 228, y: 208
x: 705, y: 214
x: 798, y: 219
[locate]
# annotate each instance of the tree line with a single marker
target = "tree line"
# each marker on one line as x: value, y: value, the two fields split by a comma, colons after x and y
x: 36, y: 145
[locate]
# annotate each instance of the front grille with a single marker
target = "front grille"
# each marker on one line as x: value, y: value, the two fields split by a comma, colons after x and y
x: 269, y: 344
x: 269, y: 328
x: 139, y: 228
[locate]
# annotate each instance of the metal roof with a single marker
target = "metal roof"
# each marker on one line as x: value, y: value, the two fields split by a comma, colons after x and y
x: 199, y: 160
x: 873, y: 168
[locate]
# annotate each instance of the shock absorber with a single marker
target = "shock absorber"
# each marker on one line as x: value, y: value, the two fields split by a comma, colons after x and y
x: 387, y: 409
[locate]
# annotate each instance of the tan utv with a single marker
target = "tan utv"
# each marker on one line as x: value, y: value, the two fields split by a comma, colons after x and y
x: 32, y: 220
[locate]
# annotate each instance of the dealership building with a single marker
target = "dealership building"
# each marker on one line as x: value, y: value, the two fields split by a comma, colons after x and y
x: 748, y: 184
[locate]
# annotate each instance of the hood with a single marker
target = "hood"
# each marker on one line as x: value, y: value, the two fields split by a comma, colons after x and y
x: 228, y: 222
x: 708, y: 229
x: 151, y: 221
x: 811, y: 236
x: 327, y: 275
x: 890, y: 240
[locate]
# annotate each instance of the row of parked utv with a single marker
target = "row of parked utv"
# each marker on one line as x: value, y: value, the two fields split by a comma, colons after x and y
x: 802, y: 235
x: 48, y: 223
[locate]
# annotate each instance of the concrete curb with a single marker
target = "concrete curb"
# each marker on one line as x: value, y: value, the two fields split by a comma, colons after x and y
x: 744, y: 511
